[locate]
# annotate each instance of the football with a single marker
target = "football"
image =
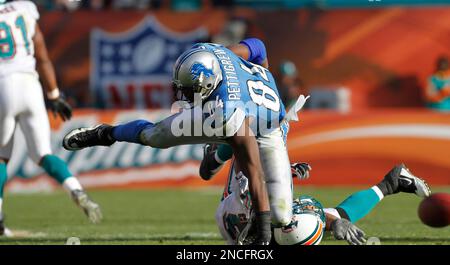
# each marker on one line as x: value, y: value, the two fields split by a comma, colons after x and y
x: 434, y: 211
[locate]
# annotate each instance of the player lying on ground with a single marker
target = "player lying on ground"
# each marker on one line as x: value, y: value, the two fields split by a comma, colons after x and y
x: 22, y: 48
x: 310, y: 220
x: 231, y: 100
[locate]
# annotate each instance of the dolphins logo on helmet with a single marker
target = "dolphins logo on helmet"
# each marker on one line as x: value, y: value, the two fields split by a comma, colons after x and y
x: 307, y: 226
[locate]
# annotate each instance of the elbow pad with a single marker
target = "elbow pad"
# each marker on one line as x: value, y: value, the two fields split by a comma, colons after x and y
x: 257, y: 50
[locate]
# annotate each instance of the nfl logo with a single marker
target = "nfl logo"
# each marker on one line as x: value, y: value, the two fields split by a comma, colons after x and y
x: 133, y: 69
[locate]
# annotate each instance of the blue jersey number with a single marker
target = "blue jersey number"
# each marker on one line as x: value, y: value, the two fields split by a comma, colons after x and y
x: 7, y: 43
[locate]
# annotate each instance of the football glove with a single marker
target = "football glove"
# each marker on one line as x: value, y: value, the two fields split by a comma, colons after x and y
x: 300, y: 170
x: 263, y: 231
x: 344, y: 229
x: 60, y: 107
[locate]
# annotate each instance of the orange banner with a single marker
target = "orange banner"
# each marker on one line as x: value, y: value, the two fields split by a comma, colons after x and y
x: 343, y: 149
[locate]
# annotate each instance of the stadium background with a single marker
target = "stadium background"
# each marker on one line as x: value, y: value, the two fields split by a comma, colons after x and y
x: 115, y: 64
x: 365, y: 63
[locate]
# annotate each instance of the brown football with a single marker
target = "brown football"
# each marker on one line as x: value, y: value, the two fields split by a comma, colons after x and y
x: 434, y: 210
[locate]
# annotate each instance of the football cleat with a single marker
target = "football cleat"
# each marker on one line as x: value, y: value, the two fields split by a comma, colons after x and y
x: 86, y: 137
x: 209, y: 166
x: 90, y: 208
x: 400, y: 179
x: 3, y: 230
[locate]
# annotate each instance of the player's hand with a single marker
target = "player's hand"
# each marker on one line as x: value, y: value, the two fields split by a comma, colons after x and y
x: 263, y: 231
x: 263, y: 239
x: 343, y: 229
x: 60, y: 107
x: 300, y: 170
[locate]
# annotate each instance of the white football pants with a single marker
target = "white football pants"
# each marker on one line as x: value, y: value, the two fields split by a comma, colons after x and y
x: 22, y: 103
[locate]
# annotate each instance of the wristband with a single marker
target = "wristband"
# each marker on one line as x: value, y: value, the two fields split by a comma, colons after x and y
x: 257, y: 50
x: 53, y: 94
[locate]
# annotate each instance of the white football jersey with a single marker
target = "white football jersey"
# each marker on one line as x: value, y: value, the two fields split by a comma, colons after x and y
x: 17, y: 28
x: 234, y: 210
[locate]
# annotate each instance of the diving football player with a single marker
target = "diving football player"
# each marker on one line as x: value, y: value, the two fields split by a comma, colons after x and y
x: 231, y: 99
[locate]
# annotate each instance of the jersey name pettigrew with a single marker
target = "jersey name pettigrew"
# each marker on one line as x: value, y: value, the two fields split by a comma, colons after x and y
x: 233, y: 87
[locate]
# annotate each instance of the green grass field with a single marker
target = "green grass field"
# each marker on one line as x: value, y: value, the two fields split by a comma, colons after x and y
x: 185, y: 216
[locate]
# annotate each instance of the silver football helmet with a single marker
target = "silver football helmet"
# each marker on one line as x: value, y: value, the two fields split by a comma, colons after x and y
x: 196, y: 71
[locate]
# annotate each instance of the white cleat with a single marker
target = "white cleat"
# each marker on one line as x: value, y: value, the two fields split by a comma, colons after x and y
x: 400, y: 179
x: 408, y: 181
x: 90, y: 208
x: 3, y: 230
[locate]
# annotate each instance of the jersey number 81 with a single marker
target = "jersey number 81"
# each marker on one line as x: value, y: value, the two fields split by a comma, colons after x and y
x: 7, y: 43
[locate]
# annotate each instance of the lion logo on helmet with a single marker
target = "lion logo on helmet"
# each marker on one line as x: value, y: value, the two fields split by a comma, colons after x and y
x: 198, y: 68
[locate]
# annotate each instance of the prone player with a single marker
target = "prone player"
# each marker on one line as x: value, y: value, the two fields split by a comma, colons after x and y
x: 310, y: 220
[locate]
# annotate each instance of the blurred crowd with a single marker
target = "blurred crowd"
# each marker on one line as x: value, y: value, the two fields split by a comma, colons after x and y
x: 185, y: 5
x: 189, y: 5
x: 436, y: 93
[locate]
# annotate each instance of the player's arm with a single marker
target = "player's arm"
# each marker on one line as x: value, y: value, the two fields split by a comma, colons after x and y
x: 246, y: 151
x: 252, y: 50
x: 48, y: 76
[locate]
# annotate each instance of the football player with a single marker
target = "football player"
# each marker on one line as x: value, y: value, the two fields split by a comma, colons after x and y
x: 234, y: 214
x: 232, y: 99
x: 22, y: 50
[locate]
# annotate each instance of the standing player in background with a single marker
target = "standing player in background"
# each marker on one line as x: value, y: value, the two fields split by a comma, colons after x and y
x: 22, y: 50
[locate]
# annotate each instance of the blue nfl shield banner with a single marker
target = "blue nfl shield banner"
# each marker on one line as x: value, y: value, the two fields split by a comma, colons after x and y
x: 133, y: 69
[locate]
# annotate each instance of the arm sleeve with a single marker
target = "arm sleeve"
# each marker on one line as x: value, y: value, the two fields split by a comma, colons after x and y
x: 257, y: 50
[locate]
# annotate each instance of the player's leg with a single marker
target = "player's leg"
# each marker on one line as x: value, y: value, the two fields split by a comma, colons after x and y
x: 277, y: 171
x: 9, y: 106
x: 8, y: 109
x: 399, y: 179
x: 5, y: 155
x: 36, y: 128
x: 163, y: 134
x: 3, y: 179
x: 214, y: 157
